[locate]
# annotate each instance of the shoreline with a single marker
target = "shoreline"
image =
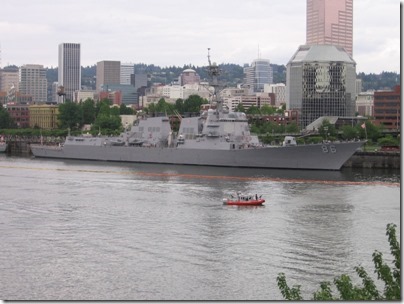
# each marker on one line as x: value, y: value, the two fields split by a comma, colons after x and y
x: 377, y: 160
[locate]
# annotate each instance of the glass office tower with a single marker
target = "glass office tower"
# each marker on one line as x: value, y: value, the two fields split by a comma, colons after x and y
x: 258, y: 74
x: 321, y: 81
x: 330, y: 22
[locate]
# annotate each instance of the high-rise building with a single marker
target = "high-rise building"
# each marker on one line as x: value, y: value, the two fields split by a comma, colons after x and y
x: 320, y: 81
x: 330, y: 22
x: 127, y: 69
x: 108, y: 73
x: 9, y: 78
x: 32, y: 81
x: 258, y: 74
x: 69, y: 69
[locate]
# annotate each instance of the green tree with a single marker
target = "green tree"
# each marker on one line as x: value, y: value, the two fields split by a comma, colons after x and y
x: 102, y: 105
x: 161, y: 107
x: 253, y: 110
x: 349, y: 132
x: 107, y: 124
x: 151, y: 108
x: 371, y: 131
x: 240, y: 108
x: 124, y: 110
x: 105, y: 108
x: 179, y: 105
x: 88, y: 108
x: 368, y: 291
x: 267, y: 110
x: 70, y: 115
x: 327, y: 129
x: 115, y: 111
x: 6, y: 121
x: 292, y: 128
x: 193, y: 103
x: 108, y: 120
x: 388, y: 140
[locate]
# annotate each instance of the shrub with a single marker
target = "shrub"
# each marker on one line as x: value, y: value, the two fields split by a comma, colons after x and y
x: 368, y: 290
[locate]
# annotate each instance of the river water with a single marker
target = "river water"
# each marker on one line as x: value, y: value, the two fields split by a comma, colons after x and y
x: 76, y: 230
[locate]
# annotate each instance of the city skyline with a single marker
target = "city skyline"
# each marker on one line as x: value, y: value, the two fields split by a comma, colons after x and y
x: 175, y: 33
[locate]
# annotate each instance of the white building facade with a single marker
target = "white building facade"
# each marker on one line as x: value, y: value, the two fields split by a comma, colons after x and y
x: 82, y: 95
x: 175, y: 91
x: 32, y: 81
x: 279, y: 89
x: 364, y: 104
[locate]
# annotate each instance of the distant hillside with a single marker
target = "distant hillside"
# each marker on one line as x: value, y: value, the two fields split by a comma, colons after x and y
x: 383, y: 81
x: 232, y: 75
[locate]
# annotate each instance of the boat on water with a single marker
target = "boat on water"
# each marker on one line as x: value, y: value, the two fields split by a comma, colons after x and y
x: 241, y: 199
x: 217, y: 137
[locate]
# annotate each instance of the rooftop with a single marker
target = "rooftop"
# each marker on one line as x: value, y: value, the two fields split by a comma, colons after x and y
x: 320, y: 53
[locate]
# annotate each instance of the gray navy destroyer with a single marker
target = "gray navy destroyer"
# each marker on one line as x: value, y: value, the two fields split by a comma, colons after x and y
x: 218, y: 137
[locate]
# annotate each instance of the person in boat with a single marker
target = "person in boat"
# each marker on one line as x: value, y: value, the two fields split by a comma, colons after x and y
x: 256, y: 197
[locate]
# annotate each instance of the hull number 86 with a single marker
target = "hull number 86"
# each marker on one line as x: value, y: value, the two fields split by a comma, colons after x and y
x: 329, y: 149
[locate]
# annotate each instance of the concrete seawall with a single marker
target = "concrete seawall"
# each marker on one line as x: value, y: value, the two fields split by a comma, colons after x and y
x: 382, y: 160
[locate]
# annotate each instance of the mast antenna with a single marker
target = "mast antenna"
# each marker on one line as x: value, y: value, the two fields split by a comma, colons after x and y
x: 214, y: 72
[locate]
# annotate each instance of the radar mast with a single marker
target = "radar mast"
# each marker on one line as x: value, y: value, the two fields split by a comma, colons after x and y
x: 214, y: 72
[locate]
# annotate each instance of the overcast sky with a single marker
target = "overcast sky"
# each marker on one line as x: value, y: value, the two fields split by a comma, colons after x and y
x: 178, y: 32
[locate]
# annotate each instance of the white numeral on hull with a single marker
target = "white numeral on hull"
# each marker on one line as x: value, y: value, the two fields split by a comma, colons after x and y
x: 329, y: 149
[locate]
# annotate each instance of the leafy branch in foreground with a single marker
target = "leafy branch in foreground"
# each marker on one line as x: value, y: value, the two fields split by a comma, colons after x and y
x: 368, y: 290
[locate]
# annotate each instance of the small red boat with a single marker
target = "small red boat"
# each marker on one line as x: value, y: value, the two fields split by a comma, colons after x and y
x: 244, y: 200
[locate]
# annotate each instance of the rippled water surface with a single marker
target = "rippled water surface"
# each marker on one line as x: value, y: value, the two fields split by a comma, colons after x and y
x: 74, y: 230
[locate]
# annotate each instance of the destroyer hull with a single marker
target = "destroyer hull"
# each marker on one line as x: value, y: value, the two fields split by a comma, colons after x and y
x: 313, y: 157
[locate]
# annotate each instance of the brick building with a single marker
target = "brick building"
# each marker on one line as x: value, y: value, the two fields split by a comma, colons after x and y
x: 19, y: 113
x: 387, y: 108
